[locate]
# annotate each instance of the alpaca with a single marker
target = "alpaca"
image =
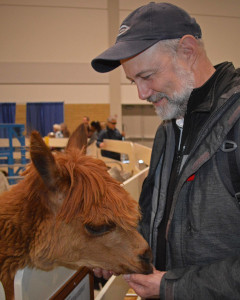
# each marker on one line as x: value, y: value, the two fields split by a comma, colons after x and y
x: 68, y: 211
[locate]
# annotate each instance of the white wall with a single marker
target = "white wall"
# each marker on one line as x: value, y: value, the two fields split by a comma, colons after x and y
x: 46, y: 49
x: 47, y: 46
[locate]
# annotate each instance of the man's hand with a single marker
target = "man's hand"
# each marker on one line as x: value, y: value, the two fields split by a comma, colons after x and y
x: 98, y: 272
x: 146, y: 286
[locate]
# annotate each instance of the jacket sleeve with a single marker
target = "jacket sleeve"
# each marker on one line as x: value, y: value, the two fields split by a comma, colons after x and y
x: 118, y: 135
x: 219, y: 280
x: 100, y: 138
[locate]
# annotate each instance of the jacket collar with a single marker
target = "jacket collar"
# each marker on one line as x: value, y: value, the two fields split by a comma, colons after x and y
x: 207, y: 92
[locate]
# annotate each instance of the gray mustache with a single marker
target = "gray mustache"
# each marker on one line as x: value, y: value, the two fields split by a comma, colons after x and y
x: 157, y: 97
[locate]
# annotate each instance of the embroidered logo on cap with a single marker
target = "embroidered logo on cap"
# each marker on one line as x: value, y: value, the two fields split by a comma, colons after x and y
x: 123, y: 29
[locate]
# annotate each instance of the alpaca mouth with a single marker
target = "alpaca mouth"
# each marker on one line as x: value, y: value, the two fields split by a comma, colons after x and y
x: 145, y: 268
x: 149, y: 270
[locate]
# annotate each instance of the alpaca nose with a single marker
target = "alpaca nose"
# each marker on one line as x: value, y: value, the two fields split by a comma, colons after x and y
x: 146, y: 257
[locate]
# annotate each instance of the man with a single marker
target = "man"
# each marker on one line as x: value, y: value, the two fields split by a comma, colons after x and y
x: 189, y: 218
x: 57, y: 131
x: 86, y: 121
x: 112, y: 133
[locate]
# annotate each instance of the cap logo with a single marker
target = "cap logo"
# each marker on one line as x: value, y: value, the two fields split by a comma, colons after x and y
x: 123, y: 29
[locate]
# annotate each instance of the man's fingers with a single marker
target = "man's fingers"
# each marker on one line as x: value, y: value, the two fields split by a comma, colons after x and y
x: 139, y: 289
x: 137, y: 278
x: 98, y: 272
x: 146, y: 286
x: 107, y: 274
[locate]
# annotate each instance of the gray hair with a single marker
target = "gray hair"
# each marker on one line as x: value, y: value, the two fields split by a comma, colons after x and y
x: 171, y: 45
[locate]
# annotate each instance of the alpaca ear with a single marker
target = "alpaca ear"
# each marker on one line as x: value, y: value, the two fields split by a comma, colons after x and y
x: 43, y: 160
x: 78, y: 138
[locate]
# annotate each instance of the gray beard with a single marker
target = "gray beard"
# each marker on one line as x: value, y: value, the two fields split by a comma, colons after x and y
x: 176, y: 106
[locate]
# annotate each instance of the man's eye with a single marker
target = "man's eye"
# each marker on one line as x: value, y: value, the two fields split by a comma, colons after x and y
x: 98, y: 230
x: 146, y: 77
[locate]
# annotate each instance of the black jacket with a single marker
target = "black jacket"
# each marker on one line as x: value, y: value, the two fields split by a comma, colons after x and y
x: 203, y: 233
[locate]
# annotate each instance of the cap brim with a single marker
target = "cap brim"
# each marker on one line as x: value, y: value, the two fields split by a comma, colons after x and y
x: 110, y: 59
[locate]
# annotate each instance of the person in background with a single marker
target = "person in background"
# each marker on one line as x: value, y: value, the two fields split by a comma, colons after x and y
x: 65, y: 130
x: 103, y: 125
x: 86, y: 121
x: 95, y: 129
x: 189, y: 217
x: 57, y: 131
x: 112, y: 133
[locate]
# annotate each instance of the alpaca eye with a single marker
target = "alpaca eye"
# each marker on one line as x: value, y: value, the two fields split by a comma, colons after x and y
x: 98, y: 230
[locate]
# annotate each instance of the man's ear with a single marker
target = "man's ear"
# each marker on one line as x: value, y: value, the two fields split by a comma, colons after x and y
x: 188, y: 48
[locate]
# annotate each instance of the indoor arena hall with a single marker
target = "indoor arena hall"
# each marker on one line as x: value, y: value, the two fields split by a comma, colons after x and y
x: 119, y: 150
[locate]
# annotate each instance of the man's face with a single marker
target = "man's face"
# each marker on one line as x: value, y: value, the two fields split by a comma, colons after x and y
x: 112, y: 124
x: 85, y: 121
x: 161, y: 79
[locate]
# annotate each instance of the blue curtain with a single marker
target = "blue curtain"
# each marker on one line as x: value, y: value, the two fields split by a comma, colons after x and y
x: 42, y: 115
x: 7, y: 115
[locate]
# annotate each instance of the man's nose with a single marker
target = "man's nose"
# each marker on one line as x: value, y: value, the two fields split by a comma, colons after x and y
x: 144, y: 92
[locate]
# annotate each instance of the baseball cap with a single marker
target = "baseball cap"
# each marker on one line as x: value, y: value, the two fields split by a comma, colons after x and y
x: 111, y: 119
x: 143, y: 28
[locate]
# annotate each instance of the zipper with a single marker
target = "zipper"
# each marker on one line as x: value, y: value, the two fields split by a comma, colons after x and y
x: 179, y: 123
